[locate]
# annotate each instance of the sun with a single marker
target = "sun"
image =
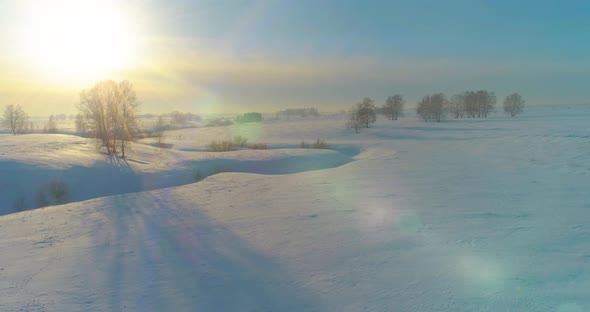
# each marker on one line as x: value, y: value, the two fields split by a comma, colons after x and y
x: 77, y: 40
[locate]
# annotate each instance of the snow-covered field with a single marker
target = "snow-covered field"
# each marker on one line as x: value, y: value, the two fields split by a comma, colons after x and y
x: 463, y: 215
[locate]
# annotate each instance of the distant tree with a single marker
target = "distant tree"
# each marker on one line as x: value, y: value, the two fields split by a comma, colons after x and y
x: 431, y: 107
x: 423, y: 108
x: 312, y: 111
x: 354, y: 122
x: 178, y: 118
x: 299, y: 112
x: 249, y: 117
x: 394, y: 106
x: 456, y: 105
x: 192, y: 117
x: 362, y: 115
x: 486, y: 101
x: 109, y: 111
x: 513, y: 104
x: 478, y: 104
x: 159, y: 130
x: 50, y: 126
x: 15, y: 119
x: 470, y: 106
x: 81, y: 124
x: 366, y: 112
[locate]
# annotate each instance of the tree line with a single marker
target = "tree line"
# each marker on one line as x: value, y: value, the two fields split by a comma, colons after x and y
x: 469, y: 104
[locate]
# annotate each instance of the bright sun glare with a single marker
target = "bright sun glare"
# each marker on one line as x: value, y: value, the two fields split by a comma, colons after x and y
x: 77, y: 40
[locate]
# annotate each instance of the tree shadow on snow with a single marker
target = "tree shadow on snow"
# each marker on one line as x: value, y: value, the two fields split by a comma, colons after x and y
x: 152, y: 257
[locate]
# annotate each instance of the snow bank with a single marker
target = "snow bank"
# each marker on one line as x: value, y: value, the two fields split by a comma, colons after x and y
x: 29, y: 162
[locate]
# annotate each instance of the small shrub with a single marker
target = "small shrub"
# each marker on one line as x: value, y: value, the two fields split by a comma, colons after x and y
x: 258, y: 146
x: 53, y: 193
x: 320, y: 144
x: 57, y: 191
x: 221, y: 146
x: 240, y: 141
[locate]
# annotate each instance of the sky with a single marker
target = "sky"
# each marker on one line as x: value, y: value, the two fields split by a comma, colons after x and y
x: 222, y: 56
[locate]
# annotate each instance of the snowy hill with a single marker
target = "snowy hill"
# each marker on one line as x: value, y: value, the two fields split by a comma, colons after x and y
x: 31, y: 162
x: 463, y: 215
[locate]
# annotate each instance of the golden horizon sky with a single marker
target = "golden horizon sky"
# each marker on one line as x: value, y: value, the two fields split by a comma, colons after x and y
x: 237, y: 56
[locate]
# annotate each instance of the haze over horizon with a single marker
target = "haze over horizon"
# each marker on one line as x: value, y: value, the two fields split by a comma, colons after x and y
x: 236, y: 56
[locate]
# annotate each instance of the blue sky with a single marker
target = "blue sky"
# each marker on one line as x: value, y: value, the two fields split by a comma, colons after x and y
x: 441, y: 29
x: 243, y: 55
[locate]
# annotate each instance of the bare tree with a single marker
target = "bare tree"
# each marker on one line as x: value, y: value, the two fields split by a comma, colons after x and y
x: 470, y: 105
x: 423, y: 108
x: 394, y: 106
x: 179, y: 119
x: 159, y: 130
x: 80, y: 124
x: 431, y: 107
x: 456, y: 106
x: 362, y: 115
x: 366, y: 112
x: 486, y: 101
x: 513, y: 104
x: 128, y: 129
x: 109, y: 111
x: 478, y: 104
x: 50, y: 126
x: 15, y: 119
x: 387, y: 108
x: 354, y: 121
x: 398, y: 106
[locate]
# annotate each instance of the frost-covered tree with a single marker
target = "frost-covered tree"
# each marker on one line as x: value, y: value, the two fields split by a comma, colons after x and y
x: 478, y: 104
x: 128, y: 129
x: 159, y: 130
x: 80, y: 124
x: 431, y: 107
x: 15, y: 119
x: 394, y: 106
x: 366, y: 112
x: 486, y: 101
x: 50, y: 126
x: 513, y: 104
x: 456, y: 105
x: 362, y: 115
x: 354, y: 121
x: 109, y: 111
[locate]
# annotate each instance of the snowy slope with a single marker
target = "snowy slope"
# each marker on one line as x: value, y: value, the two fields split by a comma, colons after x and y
x: 29, y: 162
x: 468, y: 215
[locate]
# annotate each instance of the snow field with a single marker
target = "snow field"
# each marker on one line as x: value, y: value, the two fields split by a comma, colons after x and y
x: 466, y: 215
